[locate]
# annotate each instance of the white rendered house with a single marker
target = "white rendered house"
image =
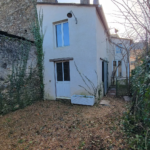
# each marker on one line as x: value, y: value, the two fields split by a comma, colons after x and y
x: 120, y: 56
x: 76, y: 35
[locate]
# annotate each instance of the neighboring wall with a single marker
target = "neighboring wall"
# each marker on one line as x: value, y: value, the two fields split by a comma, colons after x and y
x: 19, y: 79
x: 17, y: 16
x: 19, y: 76
x: 121, y: 56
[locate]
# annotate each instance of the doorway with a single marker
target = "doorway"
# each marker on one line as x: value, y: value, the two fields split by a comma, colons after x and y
x: 63, y: 79
x: 105, y: 76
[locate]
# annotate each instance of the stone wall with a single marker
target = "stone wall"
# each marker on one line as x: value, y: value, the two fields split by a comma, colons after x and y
x: 20, y: 84
x: 19, y: 80
x: 11, y: 51
x: 16, y: 16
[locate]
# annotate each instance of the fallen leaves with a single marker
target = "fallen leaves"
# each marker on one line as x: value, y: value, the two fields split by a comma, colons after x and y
x: 53, y: 125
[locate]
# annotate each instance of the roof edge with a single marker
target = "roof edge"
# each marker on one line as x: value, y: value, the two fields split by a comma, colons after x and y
x: 75, y: 4
x: 100, y: 11
x: 121, y: 38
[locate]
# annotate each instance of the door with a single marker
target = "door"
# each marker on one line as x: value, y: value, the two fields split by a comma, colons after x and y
x: 105, y: 76
x: 63, y: 80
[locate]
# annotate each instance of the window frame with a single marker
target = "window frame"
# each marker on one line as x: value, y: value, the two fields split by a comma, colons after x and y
x: 117, y: 61
x: 118, y: 47
x: 63, y: 75
x: 62, y: 22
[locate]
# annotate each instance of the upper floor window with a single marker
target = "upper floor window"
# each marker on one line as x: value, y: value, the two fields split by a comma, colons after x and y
x: 62, y: 34
x: 117, y: 68
x: 118, y: 48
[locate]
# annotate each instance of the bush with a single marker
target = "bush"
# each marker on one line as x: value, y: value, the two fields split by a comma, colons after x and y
x: 137, y: 120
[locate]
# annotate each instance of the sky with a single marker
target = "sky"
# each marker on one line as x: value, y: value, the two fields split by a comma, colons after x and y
x: 109, y: 9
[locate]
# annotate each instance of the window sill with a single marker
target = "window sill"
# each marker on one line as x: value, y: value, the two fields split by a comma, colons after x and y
x: 62, y: 47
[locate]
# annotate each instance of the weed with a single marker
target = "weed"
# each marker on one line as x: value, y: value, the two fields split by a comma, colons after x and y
x: 20, y: 141
x: 82, y: 144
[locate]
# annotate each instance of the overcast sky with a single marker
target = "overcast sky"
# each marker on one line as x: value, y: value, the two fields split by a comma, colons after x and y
x: 109, y: 9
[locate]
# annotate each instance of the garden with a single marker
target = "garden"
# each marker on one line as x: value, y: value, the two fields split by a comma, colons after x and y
x: 54, y: 125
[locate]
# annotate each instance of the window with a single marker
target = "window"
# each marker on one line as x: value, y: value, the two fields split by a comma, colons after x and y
x: 119, y: 48
x: 114, y: 68
x: 62, y: 34
x: 63, y: 71
x: 117, y: 68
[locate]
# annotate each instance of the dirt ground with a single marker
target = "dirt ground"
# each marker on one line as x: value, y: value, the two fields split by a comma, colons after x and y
x: 53, y: 125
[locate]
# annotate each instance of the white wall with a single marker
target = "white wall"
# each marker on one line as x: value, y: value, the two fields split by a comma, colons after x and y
x: 102, y: 46
x: 82, y: 46
x: 122, y: 56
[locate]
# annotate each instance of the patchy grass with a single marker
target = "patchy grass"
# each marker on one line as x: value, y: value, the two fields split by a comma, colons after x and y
x: 53, y: 125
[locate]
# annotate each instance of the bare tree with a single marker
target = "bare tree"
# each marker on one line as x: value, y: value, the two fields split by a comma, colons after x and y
x: 135, y: 14
x: 120, y: 50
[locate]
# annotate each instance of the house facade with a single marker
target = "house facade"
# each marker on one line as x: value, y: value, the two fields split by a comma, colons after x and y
x: 74, y: 46
x: 120, y: 56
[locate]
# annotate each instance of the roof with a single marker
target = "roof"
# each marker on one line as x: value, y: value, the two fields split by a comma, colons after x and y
x: 14, y: 36
x: 99, y: 10
x: 115, y: 36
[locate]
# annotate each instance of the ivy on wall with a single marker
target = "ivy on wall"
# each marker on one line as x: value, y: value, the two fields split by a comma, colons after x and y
x: 20, y: 82
x: 21, y: 72
x: 37, y: 30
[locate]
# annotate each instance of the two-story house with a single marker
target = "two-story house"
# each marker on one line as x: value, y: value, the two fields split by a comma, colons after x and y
x: 77, y: 41
x: 120, y: 56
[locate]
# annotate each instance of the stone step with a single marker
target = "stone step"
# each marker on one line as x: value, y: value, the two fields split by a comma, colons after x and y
x: 112, y: 88
x: 111, y: 94
x: 111, y: 91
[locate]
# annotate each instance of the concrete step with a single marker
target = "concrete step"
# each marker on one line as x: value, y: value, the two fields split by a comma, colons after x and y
x: 112, y: 88
x: 111, y: 93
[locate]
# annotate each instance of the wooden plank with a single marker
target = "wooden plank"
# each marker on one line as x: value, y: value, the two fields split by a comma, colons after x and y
x: 65, y: 20
x: 61, y: 59
x: 104, y: 60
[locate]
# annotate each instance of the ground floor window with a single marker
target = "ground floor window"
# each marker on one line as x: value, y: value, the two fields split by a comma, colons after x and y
x: 63, y: 71
x: 117, y: 68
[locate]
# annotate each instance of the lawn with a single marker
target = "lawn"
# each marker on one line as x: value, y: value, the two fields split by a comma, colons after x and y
x: 58, y: 125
